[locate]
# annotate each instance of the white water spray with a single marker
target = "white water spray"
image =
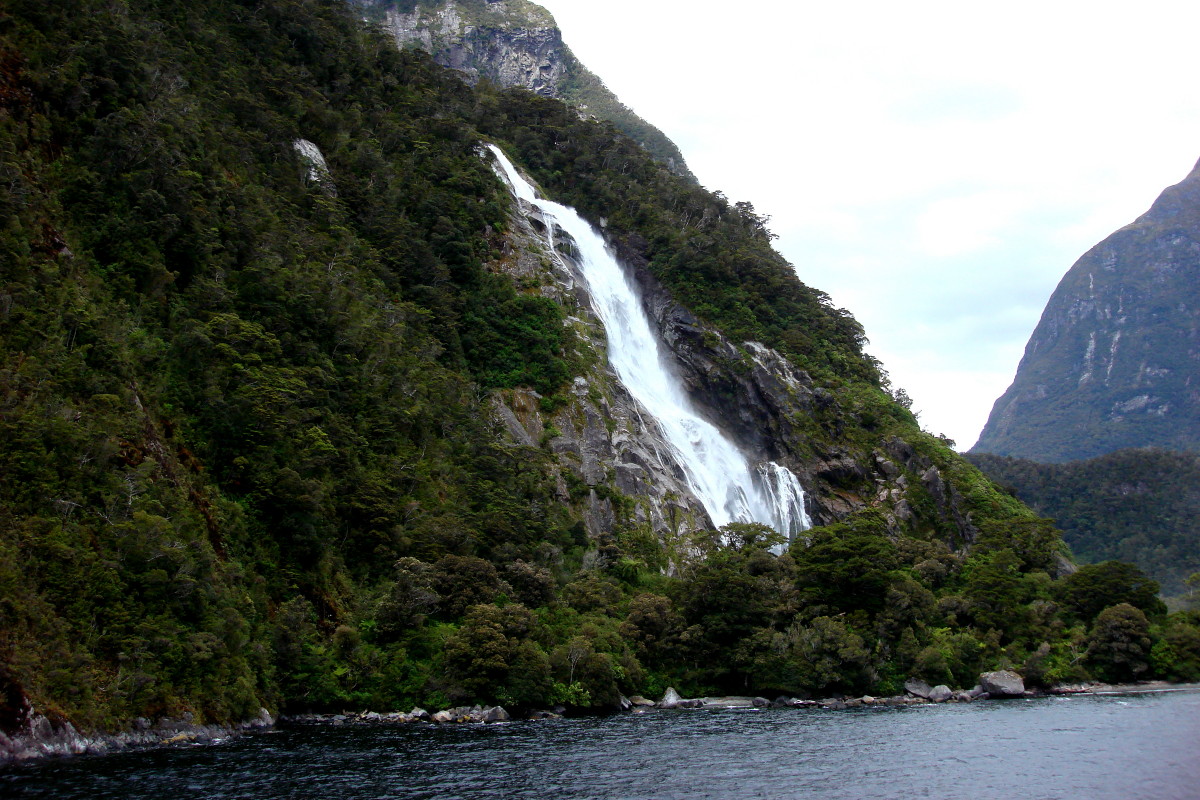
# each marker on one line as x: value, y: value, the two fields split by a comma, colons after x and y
x: 716, y: 471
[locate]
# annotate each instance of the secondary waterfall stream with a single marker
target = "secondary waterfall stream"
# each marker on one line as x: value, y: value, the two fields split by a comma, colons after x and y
x: 717, y: 472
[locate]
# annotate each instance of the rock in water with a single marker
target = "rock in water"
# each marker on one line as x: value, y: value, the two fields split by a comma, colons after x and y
x: 495, y: 714
x: 1004, y: 683
x: 941, y: 693
x: 671, y: 699
x: 917, y: 687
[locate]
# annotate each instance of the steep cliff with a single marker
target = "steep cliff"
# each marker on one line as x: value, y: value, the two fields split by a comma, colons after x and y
x: 1115, y: 360
x: 514, y: 43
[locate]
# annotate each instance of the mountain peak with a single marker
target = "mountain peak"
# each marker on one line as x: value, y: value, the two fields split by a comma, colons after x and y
x: 1113, y: 361
x: 515, y: 43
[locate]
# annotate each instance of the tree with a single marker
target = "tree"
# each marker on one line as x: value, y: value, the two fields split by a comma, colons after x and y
x: 492, y: 657
x: 1119, y: 644
x: 848, y: 565
x: 1095, y: 587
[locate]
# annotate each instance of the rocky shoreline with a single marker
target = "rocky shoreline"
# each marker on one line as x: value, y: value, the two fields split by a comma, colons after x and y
x: 41, y: 738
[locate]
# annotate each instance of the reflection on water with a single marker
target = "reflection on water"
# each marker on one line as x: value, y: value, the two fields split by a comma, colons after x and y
x: 1137, y: 746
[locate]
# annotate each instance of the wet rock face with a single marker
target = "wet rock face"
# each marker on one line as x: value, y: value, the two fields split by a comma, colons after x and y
x: 601, y: 437
x: 603, y: 440
x: 762, y: 399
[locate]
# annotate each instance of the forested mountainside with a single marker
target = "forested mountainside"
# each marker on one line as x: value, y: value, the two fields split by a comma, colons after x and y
x: 515, y: 43
x: 296, y: 412
x: 1140, y: 506
x: 1115, y: 360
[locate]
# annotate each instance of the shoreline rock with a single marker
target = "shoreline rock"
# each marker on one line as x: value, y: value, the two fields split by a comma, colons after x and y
x: 42, y: 738
x: 1002, y: 683
x: 45, y: 739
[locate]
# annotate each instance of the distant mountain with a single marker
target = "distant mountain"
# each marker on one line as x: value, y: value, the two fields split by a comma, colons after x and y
x: 515, y: 43
x: 1141, y: 506
x: 1115, y: 360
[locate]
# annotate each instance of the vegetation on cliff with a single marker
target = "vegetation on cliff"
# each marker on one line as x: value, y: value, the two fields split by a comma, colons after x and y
x: 246, y: 438
x: 490, y: 28
x: 1140, y: 506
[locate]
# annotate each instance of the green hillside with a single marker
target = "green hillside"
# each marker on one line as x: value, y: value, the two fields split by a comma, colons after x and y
x: 1140, y: 506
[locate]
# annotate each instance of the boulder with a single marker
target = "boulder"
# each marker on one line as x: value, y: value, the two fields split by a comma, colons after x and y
x: 495, y: 714
x: 941, y: 693
x: 917, y: 687
x: 419, y: 714
x: 638, y: 700
x: 1002, y: 683
x: 670, y: 699
x: 442, y: 717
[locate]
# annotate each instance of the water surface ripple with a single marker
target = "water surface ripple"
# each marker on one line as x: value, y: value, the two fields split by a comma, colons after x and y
x: 1133, y: 746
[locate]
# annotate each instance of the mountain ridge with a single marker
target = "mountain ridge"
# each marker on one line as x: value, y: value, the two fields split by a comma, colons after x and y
x: 1113, y: 362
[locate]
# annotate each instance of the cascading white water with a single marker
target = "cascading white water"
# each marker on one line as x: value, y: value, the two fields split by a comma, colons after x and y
x: 716, y: 471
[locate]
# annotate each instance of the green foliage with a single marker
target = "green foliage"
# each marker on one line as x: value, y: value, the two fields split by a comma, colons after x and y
x: 1119, y: 645
x: 1141, y: 506
x: 714, y: 256
x: 493, y: 657
x: 1176, y: 651
x: 848, y: 565
x: 1095, y: 587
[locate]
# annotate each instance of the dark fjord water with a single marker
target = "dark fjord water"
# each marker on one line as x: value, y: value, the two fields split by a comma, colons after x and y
x: 1131, y: 746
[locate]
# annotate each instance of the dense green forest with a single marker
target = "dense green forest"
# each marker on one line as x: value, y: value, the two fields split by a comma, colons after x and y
x: 1140, y: 506
x: 247, y: 447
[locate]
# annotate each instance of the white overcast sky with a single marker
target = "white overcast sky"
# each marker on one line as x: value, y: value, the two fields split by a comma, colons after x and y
x: 934, y: 166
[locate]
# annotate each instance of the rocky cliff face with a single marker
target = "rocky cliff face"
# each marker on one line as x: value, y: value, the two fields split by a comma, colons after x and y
x: 601, y: 438
x: 509, y: 42
x: 1115, y: 360
x: 777, y: 413
x: 615, y: 465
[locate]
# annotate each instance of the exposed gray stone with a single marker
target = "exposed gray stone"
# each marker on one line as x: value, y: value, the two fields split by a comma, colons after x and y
x: 941, y: 693
x: 1002, y: 683
x: 670, y: 698
x: 918, y: 687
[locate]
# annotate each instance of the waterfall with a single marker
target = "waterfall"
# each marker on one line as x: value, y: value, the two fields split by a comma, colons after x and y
x: 716, y: 471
